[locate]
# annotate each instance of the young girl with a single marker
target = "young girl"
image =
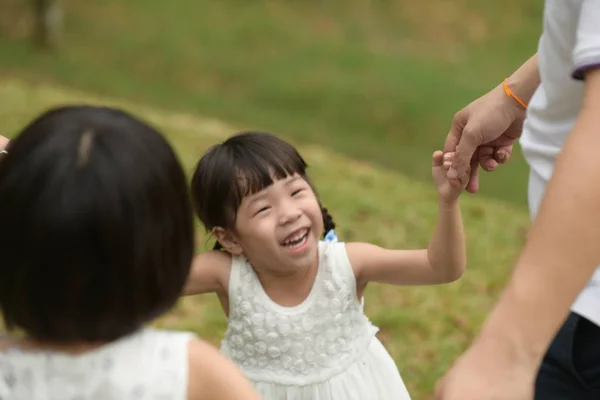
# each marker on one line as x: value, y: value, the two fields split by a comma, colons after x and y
x: 296, y: 325
x: 96, y: 240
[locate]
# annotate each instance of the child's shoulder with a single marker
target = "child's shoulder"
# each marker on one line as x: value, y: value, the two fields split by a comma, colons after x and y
x: 210, y: 272
x: 354, y: 254
x: 337, y: 253
x: 344, y: 249
x: 354, y: 249
x: 214, y: 376
x: 218, y: 258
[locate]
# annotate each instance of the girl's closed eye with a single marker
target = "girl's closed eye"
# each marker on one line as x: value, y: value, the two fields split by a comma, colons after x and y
x: 261, y: 210
x: 298, y: 188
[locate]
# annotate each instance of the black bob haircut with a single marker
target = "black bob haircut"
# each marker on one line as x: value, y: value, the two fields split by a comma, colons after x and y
x: 96, y: 226
x: 243, y: 165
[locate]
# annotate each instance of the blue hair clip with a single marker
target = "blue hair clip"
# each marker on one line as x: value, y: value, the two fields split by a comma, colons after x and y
x: 331, y: 236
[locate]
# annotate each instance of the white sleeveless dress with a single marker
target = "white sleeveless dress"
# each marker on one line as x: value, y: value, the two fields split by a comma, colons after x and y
x: 323, y: 349
x: 150, y: 364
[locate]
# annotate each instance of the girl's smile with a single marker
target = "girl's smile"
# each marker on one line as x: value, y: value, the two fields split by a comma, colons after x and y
x: 297, y: 241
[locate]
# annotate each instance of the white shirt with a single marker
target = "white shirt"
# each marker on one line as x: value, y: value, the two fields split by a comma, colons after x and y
x: 570, y: 43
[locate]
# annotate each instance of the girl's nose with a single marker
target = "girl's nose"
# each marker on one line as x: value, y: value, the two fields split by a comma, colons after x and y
x: 289, y: 214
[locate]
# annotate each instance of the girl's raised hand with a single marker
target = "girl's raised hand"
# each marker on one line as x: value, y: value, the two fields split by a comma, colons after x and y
x: 441, y: 165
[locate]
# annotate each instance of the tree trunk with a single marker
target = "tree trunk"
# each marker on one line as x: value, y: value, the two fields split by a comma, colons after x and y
x: 48, y: 23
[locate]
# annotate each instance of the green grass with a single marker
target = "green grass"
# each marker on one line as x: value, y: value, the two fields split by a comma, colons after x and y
x: 373, y: 79
x: 424, y: 328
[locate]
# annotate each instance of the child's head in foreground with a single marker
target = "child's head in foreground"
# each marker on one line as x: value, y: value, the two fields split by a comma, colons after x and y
x: 253, y: 194
x: 96, y: 234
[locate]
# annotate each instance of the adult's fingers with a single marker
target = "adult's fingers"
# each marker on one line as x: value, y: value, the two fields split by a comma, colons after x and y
x: 473, y: 184
x: 491, y: 157
x: 502, y: 154
x: 485, y: 156
x: 470, y: 139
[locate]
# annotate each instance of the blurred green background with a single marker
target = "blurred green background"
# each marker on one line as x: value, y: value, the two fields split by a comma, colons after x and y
x: 366, y: 88
x: 377, y: 80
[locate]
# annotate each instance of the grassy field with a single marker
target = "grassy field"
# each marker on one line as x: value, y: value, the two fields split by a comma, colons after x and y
x: 424, y: 328
x: 373, y: 79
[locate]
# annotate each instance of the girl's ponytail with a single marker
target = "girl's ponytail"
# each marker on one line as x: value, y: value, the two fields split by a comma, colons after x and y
x: 328, y: 225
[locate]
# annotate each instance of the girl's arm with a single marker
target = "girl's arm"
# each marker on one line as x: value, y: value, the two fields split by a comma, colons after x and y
x: 214, y: 377
x: 447, y: 251
x: 209, y: 273
x: 443, y: 261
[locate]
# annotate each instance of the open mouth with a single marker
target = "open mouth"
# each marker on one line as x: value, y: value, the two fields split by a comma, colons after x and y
x: 296, y: 240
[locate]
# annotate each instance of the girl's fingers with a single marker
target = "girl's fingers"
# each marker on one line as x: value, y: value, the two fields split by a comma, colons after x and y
x: 438, y: 158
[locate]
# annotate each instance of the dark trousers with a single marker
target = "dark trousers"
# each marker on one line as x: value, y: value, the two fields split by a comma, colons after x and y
x: 571, y: 367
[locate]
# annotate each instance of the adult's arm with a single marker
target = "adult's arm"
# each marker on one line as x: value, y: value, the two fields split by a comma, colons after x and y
x: 557, y: 261
x: 562, y: 250
x: 525, y: 80
x: 483, y: 132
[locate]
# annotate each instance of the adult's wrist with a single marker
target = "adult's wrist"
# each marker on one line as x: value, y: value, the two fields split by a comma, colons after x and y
x: 516, y: 108
x: 523, y: 84
x: 512, y: 327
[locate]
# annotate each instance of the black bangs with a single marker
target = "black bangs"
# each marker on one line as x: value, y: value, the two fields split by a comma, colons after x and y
x: 257, y: 168
x: 242, y: 165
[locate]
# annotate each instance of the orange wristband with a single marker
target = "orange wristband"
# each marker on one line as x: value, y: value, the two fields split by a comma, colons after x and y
x: 509, y: 93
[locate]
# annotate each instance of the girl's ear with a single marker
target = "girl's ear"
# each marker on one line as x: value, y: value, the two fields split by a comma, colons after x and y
x: 227, y: 240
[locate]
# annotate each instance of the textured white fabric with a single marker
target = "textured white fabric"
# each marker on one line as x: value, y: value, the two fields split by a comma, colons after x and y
x: 323, y: 349
x: 150, y: 365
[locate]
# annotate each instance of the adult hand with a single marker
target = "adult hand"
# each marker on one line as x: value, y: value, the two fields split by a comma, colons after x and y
x: 483, y: 134
x: 3, y: 142
x: 489, y: 370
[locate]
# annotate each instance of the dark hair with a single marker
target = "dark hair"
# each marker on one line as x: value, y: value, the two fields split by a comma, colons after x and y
x: 242, y: 165
x: 96, y: 226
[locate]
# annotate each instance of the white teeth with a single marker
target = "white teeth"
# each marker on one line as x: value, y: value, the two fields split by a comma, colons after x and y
x: 295, y: 245
x: 296, y: 240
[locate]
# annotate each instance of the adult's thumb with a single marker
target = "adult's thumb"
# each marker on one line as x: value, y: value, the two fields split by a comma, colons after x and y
x: 466, y: 147
x: 456, y: 129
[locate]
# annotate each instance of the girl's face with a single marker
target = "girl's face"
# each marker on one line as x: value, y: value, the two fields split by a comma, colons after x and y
x: 278, y: 228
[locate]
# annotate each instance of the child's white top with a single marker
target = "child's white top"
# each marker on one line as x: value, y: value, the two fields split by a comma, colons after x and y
x: 150, y: 364
x: 324, y: 348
